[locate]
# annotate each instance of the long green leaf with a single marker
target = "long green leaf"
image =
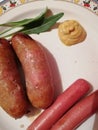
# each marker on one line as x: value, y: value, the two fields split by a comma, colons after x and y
x: 26, y: 21
x: 47, y: 24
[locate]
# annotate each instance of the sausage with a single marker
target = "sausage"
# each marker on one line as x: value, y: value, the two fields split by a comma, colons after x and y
x: 12, y: 94
x: 38, y: 75
x: 63, y: 102
x: 78, y: 113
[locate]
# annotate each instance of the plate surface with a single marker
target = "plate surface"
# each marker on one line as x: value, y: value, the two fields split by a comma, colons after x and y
x: 70, y: 63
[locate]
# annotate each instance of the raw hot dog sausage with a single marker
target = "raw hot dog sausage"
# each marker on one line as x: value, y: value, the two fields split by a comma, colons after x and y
x: 62, y: 104
x: 78, y: 113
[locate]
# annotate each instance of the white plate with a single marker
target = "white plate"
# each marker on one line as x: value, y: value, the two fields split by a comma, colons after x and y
x: 77, y: 61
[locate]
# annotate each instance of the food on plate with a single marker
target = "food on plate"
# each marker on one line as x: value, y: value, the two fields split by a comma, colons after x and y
x: 63, y: 102
x: 34, y: 25
x: 71, y: 32
x: 38, y: 74
x: 12, y: 94
x: 78, y: 113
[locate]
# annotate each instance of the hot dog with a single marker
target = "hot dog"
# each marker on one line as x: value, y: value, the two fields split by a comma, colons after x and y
x: 38, y: 75
x: 78, y: 113
x: 12, y: 94
x: 64, y: 101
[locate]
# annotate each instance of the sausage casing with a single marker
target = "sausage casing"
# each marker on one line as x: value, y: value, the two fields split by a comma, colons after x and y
x: 12, y: 94
x: 38, y: 76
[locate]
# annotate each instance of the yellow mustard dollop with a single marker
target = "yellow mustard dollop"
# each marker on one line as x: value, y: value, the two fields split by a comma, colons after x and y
x: 71, y: 32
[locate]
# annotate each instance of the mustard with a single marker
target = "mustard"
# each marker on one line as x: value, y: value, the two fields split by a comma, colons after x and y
x: 71, y: 32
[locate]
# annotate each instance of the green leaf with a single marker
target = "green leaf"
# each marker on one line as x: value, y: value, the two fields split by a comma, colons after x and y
x: 47, y: 24
x: 35, y: 27
x: 26, y: 21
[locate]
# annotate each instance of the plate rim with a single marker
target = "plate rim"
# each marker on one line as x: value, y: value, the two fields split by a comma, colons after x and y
x: 49, y: 1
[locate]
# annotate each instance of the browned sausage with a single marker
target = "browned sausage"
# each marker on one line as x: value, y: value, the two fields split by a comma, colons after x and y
x: 38, y: 76
x: 12, y: 96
